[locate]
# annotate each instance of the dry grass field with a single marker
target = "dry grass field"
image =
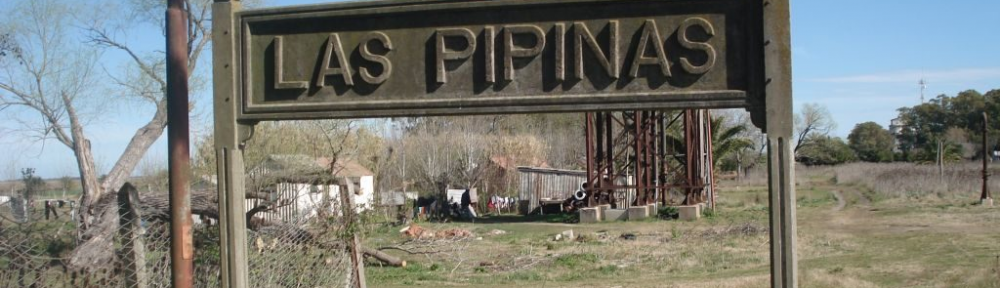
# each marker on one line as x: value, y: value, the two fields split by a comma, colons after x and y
x: 860, y: 225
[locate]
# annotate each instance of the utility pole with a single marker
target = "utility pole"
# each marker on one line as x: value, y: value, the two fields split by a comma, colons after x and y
x: 985, y: 198
x: 181, y: 238
x: 923, y: 86
x: 940, y: 160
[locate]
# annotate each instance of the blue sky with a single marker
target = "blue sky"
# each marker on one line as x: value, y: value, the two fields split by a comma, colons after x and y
x: 861, y: 59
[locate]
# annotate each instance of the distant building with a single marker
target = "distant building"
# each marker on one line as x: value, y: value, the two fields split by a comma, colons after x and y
x: 897, y: 125
x: 397, y: 198
x: 298, y: 187
x: 501, y: 176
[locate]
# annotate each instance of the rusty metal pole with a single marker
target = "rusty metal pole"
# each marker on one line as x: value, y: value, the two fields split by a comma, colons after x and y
x: 986, y: 172
x: 662, y: 157
x: 589, y: 135
x: 711, y: 160
x: 637, y: 173
x: 181, y: 238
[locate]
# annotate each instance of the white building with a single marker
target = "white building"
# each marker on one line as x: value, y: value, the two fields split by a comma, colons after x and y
x: 293, y: 188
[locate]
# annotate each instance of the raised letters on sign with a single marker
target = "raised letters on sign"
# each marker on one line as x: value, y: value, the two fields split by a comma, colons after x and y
x: 383, y: 59
x: 457, y: 45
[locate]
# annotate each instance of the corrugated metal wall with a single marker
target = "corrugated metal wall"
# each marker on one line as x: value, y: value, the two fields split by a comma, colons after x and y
x: 554, y: 184
x: 287, y: 210
x: 551, y: 184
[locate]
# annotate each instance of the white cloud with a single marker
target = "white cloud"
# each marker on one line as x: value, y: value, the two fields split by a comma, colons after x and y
x: 907, y: 76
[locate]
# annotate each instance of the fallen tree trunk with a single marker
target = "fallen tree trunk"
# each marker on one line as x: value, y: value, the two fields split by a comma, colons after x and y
x: 157, y: 207
x: 383, y: 257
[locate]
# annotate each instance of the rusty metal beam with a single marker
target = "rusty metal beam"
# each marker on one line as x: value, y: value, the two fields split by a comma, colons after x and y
x: 710, y: 161
x: 589, y: 135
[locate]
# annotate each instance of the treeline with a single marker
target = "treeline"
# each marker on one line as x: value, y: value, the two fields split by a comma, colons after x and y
x: 954, y: 121
x: 950, y: 124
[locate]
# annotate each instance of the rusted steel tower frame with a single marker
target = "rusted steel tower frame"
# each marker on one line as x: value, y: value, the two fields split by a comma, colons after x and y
x: 698, y: 154
x: 635, y: 142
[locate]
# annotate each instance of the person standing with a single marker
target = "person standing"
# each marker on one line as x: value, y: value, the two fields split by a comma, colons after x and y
x: 467, y: 209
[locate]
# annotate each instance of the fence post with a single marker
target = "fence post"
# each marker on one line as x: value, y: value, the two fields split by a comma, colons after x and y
x: 132, y: 252
x: 353, y: 241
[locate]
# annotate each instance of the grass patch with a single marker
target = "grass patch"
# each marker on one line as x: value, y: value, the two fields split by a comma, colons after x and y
x: 574, y: 261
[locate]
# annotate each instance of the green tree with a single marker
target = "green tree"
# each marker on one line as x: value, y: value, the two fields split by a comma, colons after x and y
x: 928, y: 123
x: 727, y: 141
x: 871, y: 142
x: 825, y: 150
x: 32, y: 184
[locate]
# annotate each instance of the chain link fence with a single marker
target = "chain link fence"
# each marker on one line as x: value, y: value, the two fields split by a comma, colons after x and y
x: 298, y: 255
x: 37, y: 252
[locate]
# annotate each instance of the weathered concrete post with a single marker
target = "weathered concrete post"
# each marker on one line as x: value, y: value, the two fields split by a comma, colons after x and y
x: 132, y: 252
x: 781, y: 159
x: 228, y: 149
x: 351, y: 221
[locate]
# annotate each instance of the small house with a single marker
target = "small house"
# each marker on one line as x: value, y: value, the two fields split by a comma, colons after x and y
x: 291, y: 188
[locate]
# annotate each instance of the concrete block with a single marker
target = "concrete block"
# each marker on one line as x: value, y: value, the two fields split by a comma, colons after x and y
x: 988, y: 202
x: 638, y: 213
x: 689, y: 213
x: 654, y: 209
x: 603, y: 208
x: 615, y: 215
x: 590, y: 215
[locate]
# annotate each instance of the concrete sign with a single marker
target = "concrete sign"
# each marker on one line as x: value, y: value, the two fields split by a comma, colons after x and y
x: 432, y: 57
x: 393, y: 58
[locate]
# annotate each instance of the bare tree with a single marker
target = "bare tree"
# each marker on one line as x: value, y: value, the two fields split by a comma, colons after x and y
x: 54, y: 75
x: 148, y: 82
x: 814, y: 120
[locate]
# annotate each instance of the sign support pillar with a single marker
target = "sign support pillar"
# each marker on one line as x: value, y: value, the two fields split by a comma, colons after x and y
x: 781, y: 158
x: 229, y: 147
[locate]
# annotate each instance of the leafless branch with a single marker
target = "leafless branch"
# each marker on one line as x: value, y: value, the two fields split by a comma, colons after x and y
x: 101, y: 38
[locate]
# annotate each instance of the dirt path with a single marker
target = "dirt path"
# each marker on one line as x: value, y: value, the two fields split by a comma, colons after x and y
x: 841, y: 203
x: 862, y: 198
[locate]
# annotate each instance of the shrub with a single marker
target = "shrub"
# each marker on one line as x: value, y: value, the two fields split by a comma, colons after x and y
x: 668, y: 212
x: 575, y: 260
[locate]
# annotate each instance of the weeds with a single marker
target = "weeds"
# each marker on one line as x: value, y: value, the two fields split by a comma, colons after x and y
x: 668, y: 213
x: 573, y: 261
x: 907, y: 180
x: 708, y: 213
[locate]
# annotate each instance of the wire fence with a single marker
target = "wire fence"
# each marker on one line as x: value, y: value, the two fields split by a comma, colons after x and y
x: 305, y: 253
x: 39, y: 252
